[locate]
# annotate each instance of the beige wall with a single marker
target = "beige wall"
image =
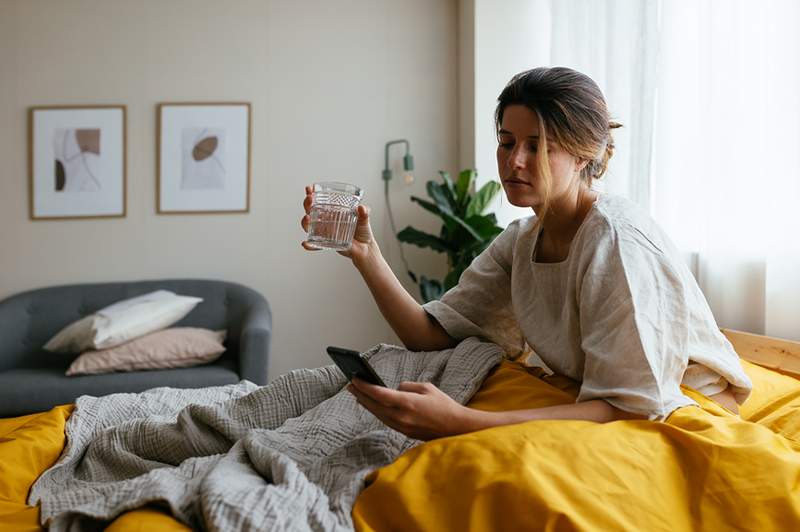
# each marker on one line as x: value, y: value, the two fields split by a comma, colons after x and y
x: 466, y: 83
x: 329, y: 82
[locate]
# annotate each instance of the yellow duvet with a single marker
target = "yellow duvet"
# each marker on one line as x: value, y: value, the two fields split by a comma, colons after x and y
x: 703, y: 468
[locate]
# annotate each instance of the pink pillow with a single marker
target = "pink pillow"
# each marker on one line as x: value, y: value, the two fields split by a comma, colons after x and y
x: 178, y: 347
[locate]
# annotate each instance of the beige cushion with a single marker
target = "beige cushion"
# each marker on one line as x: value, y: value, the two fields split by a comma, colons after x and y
x: 123, y: 321
x: 178, y: 347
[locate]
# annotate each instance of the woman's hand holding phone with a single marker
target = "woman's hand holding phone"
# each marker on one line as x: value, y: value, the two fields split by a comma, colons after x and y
x: 419, y: 410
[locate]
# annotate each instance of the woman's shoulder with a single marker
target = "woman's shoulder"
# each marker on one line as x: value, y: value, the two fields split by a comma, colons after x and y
x: 619, y: 227
x: 517, y: 231
x: 513, y: 241
x: 619, y: 220
x: 619, y: 211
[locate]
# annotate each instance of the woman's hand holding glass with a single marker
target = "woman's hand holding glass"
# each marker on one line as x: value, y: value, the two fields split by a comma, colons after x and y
x: 363, y: 243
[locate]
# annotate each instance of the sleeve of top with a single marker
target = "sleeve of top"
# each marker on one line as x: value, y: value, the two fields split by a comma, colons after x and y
x: 634, y: 326
x: 480, y: 304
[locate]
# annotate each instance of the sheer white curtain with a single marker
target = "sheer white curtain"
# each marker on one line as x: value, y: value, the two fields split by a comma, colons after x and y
x: 709, y: 94
x: 726, y: 154
x: 613, y: 42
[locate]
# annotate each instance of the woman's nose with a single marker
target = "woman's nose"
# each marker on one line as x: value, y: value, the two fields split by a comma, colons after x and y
x: 517, y: 159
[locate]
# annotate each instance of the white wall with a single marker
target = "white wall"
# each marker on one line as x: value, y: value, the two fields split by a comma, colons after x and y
x: 466, y: 84
x: 329, y: 82
x: 509, y: 37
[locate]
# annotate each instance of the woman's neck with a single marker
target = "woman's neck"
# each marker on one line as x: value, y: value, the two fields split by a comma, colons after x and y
x: 567, y: 212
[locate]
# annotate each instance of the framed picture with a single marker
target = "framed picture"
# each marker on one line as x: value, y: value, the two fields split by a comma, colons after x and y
x: 203, y: 158
x: 77, y: 161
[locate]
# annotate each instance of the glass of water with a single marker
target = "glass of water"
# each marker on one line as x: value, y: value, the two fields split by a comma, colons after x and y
x: 333, y: 215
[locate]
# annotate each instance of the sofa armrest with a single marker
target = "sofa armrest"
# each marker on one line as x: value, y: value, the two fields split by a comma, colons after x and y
x: 254, y: 343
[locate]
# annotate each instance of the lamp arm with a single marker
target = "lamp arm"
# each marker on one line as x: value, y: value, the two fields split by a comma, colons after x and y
x: 386, y: 154
x: 411, y: 274
x: 387, y: 175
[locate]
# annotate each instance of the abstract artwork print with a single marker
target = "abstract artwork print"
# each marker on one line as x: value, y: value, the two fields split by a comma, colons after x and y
x: 77, y: 161
x: 203, y: 165
x: 77, y: 154
x: 203, y: 157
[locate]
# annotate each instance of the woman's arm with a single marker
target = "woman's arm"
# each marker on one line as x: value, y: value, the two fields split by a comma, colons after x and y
x: 595, y: 410
x: 416, y: 329
x: 422, y: 411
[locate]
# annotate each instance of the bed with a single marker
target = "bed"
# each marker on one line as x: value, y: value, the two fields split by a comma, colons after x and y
x: 703, y: 468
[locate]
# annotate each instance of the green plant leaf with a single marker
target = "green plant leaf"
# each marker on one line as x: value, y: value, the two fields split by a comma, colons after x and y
x: 474, y: 249
x: 465, y: 232
x: 430, y: 289
x: 452, y: 277
x: 439, y: 194
x: 472, y: 232
x: 485, y: 225
x: 409, y: 235
x: 442, y: 208
x: 465, y: 179
x: 427, y: 205
x: 482, y: 198
x: 450, y: 187
x: 463, y: 241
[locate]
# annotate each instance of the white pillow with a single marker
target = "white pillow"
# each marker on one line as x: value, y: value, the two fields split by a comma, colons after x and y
x: 123, y: 321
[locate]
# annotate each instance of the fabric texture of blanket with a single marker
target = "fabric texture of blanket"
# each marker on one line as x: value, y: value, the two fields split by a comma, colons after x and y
x: 289, y: 455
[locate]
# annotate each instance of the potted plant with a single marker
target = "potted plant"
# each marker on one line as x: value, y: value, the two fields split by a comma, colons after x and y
x: 466, y: 229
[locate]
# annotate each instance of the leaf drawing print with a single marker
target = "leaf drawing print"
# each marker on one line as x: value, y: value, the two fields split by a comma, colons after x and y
x: 203, y: 159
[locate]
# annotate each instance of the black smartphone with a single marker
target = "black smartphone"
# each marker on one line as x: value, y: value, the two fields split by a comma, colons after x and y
x: 353, y: 364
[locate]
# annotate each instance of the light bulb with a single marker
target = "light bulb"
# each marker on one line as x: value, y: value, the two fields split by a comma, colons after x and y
x: 408, y: 178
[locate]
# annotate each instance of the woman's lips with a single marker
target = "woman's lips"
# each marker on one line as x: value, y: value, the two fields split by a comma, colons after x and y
x: 516, y: 182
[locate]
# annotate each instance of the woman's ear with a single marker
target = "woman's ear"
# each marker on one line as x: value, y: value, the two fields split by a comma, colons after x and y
x: 580, y: 164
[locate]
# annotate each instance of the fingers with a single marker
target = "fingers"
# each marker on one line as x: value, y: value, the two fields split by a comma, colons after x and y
x: 309, y: 247
x: 308, y: 199
x: 415, y: 387
x: 385, y: 396
x: 366, y: 400
x: 363, y: 231
x: 390, y: 416
x: 306, y: 219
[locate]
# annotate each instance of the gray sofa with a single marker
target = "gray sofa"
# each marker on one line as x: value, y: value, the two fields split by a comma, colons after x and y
x: 32, y: 380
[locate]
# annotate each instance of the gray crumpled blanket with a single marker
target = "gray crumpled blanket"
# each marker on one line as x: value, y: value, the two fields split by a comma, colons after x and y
x: 291, y: 455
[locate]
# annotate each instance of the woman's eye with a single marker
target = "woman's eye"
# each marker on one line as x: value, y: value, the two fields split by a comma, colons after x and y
x: 507, y: 145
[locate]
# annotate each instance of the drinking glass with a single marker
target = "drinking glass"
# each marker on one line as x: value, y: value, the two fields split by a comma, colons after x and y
x: 333, y: 214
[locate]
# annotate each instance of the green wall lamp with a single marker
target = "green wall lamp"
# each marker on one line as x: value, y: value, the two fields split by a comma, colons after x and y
x: 408, y: 178
x: 408, y: 162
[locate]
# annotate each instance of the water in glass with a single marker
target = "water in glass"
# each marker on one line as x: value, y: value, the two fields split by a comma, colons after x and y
x: 333, y: 215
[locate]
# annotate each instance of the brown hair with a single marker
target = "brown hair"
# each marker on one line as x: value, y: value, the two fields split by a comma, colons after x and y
x: 571, y: 108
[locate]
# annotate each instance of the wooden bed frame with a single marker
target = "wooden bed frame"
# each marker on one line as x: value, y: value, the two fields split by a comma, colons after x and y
x: 777, y: 354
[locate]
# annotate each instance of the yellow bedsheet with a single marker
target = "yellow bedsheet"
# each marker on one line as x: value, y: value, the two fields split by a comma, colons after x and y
x: 702, y: 469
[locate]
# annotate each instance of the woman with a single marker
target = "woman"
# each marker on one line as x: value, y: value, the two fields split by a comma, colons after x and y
x: 589, y: 282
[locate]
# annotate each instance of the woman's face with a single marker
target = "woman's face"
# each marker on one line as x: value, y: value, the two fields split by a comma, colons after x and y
x: 518, y: 141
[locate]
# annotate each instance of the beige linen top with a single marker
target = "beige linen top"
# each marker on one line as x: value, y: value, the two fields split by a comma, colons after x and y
x: 622, y: 313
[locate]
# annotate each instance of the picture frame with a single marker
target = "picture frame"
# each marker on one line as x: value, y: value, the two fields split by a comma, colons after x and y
x: 203, y: 157
x: 77, y: 162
